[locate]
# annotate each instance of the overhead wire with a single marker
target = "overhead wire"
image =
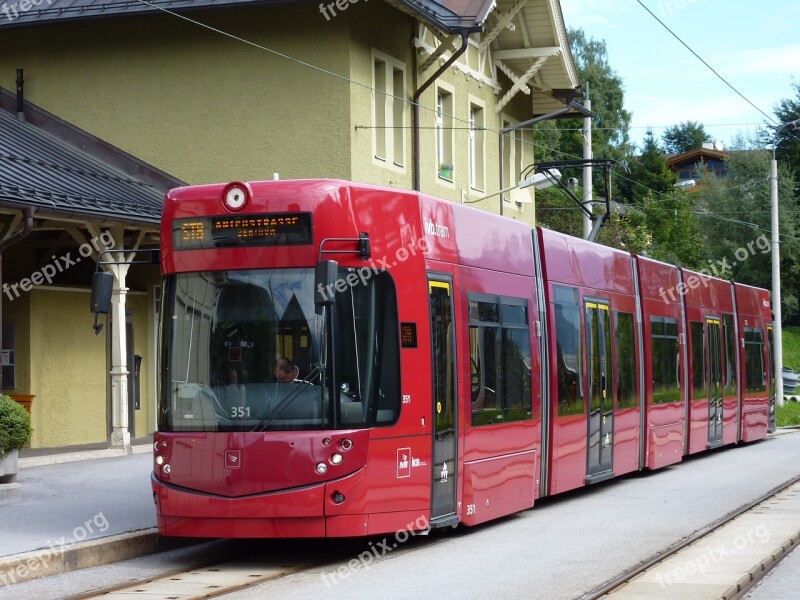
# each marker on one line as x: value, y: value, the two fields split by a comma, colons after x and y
x: 406, y: 100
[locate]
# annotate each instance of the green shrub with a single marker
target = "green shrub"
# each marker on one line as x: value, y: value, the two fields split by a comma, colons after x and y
x: 15, y: 424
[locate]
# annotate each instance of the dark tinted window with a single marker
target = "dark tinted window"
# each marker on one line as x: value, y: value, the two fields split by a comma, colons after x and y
x: 664, y: 360
x: 569, y: 350
x: 698, y: 361
x: 500, y: 360
x: 626, y: 362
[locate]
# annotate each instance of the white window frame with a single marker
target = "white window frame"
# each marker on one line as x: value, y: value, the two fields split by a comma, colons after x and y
x: 445, y: 99
x: 477, y: 145
x: 388, y: 132
x: 514, y: 149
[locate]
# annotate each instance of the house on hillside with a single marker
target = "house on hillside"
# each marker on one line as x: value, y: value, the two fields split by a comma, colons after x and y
x: 690, y: 166
x: 406, y: 93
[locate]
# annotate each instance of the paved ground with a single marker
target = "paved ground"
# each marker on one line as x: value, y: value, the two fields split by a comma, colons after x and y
x: 66, y: 503
x: 560, y: 549
x: 782, y: 583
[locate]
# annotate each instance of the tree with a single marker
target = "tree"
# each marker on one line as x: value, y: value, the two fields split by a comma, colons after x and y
x: 684, y: 137
x: 674, y: 229
x: 610, y: 137
x: 737, y: 226
x: 788, y: 149
x: 648, y: 172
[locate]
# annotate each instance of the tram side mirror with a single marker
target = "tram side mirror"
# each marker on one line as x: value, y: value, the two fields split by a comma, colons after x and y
x: 325, y: 283
x: 102, y: 286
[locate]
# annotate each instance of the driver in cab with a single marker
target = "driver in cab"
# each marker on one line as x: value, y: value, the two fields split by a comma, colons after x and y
x: 285, y: 371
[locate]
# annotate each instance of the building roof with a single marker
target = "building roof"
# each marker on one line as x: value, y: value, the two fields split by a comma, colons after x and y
x: 530, y: 37
x: 447, y: 15
x: 676, y: 161
x: 65, y: 172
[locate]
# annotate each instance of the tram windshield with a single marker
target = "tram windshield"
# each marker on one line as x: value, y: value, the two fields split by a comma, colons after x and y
x: 245, y: 350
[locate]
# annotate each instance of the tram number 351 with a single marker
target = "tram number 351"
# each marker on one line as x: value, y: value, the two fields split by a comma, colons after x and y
x: 470, y: 509
x: 240, y: 412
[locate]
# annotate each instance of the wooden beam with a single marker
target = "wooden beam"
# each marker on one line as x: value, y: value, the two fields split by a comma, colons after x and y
x: 520, y: 84
x: 503, y: 22
x: 544, y: 51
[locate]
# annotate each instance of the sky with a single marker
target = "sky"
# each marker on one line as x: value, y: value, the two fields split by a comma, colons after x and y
x: 755, y: 46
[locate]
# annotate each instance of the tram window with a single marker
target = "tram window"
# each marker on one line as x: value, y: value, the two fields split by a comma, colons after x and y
x: 754, y: 360
x: 500, y: 359
x: 569, y: 350
x: 730, y: 355
x: 698, y: 361
x: 626, y: 361
x: 516, y: 374
x: 664, y: 363
x: 483, y: 358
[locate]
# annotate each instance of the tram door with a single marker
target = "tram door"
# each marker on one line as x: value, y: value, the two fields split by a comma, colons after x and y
x: 443, y: 493
x: 714, y: 382
x: 601, y: 398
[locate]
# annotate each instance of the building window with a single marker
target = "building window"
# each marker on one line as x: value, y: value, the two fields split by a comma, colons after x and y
x: 476, y: 147
x: 8, y: 356
x: 500, y: 359
x: 388, y: 109
x: 513, y: 153
x: 444, y: 133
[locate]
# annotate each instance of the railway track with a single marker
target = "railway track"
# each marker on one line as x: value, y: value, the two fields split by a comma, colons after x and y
x: 214, y: 578
x: 723, y: 560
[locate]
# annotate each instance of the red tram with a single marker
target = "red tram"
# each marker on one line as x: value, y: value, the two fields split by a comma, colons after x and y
x: 446, y: 365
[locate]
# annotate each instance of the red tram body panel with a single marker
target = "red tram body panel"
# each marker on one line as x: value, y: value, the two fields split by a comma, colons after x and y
x: 340, y: 359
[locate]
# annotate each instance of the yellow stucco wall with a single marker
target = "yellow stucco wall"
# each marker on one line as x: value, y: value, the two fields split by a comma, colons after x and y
x: 200, y: 106
x: 68, y: 370
x: 369, y: 34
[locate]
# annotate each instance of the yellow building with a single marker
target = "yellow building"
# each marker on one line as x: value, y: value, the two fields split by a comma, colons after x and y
x: 405, y: 93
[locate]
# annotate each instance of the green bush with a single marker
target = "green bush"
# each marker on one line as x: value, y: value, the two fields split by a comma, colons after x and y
x: 15, y: 424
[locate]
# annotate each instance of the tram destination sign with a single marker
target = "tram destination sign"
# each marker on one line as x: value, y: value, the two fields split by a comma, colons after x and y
x: 226, y: 231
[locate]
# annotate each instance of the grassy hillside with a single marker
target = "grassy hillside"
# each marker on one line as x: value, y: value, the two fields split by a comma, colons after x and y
x: 791, y: 348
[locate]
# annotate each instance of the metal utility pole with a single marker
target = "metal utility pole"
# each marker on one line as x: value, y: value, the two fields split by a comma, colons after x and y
x: 777, y: 335
x: 587, y: 169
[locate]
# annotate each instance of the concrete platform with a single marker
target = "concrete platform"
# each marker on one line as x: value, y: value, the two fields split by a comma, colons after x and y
x: 76, y: 509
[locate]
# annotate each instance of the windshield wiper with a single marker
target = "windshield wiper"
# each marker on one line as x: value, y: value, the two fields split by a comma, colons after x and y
x: 263, y: 424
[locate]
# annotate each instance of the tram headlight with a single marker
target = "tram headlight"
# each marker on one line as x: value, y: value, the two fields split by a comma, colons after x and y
x: 346, y: 444
x: 235, y: 196
x: 322, y: 468
x: 336, y: 459
x: 338, y: 497
x: 166, y: 469
x: 159, y: 460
